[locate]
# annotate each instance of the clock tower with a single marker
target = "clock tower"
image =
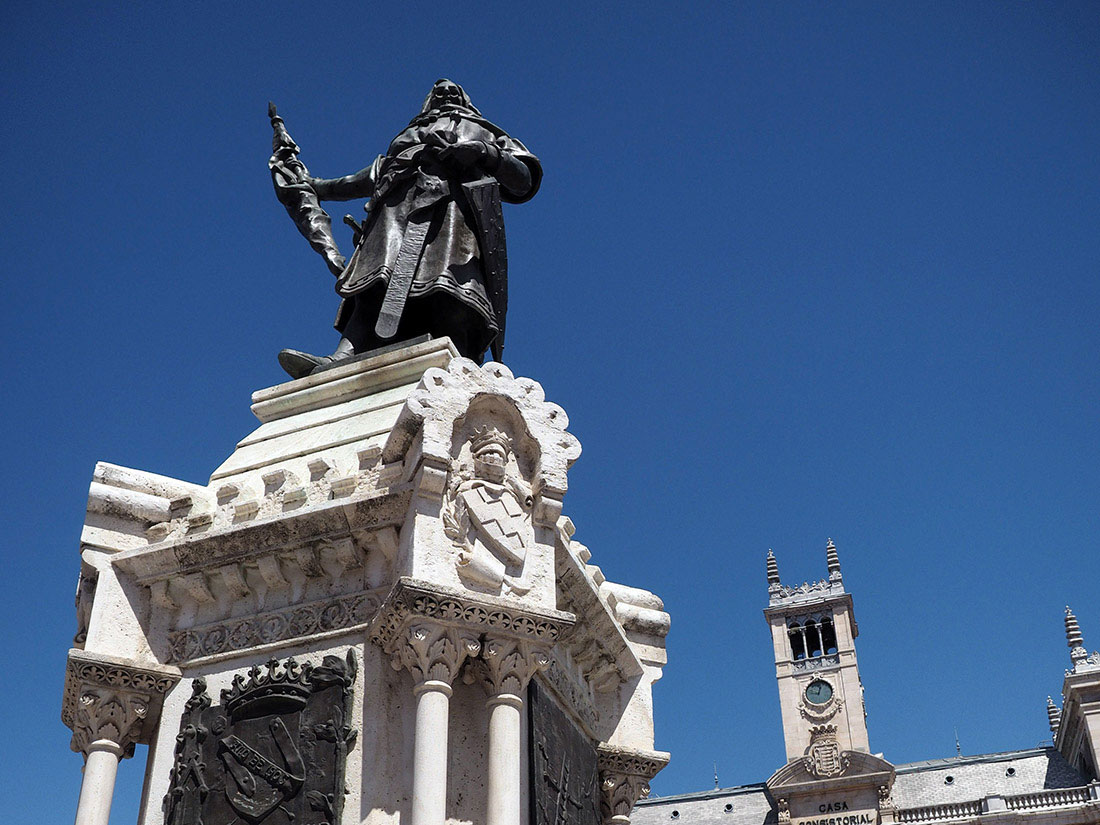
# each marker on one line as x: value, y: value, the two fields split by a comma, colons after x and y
x: 813, y: 634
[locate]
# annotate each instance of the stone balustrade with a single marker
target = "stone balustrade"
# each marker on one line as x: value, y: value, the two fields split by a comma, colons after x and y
x: 971, y: 809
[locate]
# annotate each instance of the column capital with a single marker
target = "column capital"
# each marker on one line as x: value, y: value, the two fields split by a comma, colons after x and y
x: 431, y: 629
x: 112, y: 704
x: 432, y: 652
x: 624, y: 779
x: 508, y: 664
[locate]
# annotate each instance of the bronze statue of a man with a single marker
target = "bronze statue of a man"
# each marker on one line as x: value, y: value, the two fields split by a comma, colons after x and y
x: 430, y: 256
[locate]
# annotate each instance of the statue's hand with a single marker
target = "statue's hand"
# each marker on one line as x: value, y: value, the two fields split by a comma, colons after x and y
x: 464, y: 155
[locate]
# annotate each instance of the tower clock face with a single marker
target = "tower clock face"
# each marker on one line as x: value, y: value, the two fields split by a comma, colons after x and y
x: 818, y: 692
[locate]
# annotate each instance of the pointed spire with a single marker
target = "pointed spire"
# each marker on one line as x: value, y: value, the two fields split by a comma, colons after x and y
x: 832, y: 560
x: 1074, y: 640
x: 773, y: 571
x: 1054, y: 716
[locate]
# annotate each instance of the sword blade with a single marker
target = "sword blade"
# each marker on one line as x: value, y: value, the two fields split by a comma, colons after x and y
x: 397, y: 291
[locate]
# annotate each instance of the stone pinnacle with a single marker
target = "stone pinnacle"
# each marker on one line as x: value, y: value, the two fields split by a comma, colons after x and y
x: 773, y: 570
x: 1054, y: 716
x: 1074, y: 640
x: 832, y: 560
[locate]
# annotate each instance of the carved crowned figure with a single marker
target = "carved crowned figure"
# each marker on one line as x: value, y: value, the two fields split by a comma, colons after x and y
x: 486, y: 514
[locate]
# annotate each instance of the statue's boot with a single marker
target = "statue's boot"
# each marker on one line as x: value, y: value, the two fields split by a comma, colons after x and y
x: 300, y: 364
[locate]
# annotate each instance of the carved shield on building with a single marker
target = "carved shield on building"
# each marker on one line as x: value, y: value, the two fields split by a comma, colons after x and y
x: 273, y: 752
x: 824, y: 757
x: 499, y: 519
x: 564, y: 767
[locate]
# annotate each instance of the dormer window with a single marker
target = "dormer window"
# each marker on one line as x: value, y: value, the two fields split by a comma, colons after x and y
x: 811, y: 637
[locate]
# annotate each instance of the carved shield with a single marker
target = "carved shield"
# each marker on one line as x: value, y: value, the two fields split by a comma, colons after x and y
x: 499, y: 520
x: 272, y: 753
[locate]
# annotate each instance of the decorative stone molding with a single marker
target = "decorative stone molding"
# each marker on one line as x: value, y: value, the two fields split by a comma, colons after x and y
x: 624, y: 779
x: 598, y: 645
x: 885, y: 798
x: 507, y: 665
x: 110, y: 699
x: 821, y: 713
x: 433, y: 652
x: 412, y: 601
x: 297, y: 621
x: 829, y: 660
x: 783, y: 810
x: 444, y: 396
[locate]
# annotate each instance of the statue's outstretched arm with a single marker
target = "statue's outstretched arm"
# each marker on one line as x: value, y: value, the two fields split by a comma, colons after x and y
x: 347, y: 188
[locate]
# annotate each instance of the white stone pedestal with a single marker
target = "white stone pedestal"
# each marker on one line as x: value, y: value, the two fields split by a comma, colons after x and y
x: 402, y: 513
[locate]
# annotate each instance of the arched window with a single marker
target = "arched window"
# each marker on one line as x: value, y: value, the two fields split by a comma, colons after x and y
x: 828, y: 635
x: 798, y: 641
x: 813, y: 638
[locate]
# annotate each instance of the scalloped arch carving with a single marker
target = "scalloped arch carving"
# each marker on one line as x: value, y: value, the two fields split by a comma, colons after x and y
x: 443, y: 397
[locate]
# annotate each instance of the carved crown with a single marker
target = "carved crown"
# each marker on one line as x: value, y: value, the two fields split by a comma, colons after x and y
x: 489, y: 443
x: 273, y: 690
x: 818, y: 732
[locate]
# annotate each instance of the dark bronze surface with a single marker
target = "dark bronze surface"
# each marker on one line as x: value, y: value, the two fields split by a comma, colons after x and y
x: 564, y: 768
x: 430, y: 257
x: 273, y: 752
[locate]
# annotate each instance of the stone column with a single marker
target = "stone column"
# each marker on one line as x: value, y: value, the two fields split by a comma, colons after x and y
x: 507, y: 666
x: 434, y: 654
x: 624, y: 779
x: 111, y: 705
x: 106, y: 727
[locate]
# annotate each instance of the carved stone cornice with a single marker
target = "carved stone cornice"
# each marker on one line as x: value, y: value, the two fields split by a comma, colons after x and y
x: 417, y: 602
x: 111, y: 699
x: 624, y: 779
x: 507, y: 665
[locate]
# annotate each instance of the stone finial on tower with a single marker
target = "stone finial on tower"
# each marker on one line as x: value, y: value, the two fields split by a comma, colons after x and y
x: 832, y: 560
x: 1054, y: 716
x: 773, y: 573
x: 1074, y: 639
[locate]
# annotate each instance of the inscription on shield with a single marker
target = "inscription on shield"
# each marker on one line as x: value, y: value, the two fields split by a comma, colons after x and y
x: 564, y: 768
x: 272, y: 753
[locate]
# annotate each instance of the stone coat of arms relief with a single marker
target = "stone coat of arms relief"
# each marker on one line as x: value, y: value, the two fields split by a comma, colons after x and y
x: 824, y: 758
x: 487, y: 514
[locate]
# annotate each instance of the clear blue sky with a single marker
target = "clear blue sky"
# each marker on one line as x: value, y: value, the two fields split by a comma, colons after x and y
x: 797, y: 270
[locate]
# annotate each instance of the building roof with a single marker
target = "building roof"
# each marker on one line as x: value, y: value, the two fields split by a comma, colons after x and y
x: 964, y: 778
x: 917, y: 784
x: 744, y: 805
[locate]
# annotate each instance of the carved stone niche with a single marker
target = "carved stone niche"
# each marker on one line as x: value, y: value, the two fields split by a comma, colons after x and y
x: 488, y: 457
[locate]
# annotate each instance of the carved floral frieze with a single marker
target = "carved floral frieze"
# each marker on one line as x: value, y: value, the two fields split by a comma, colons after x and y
x: 296, y: 621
